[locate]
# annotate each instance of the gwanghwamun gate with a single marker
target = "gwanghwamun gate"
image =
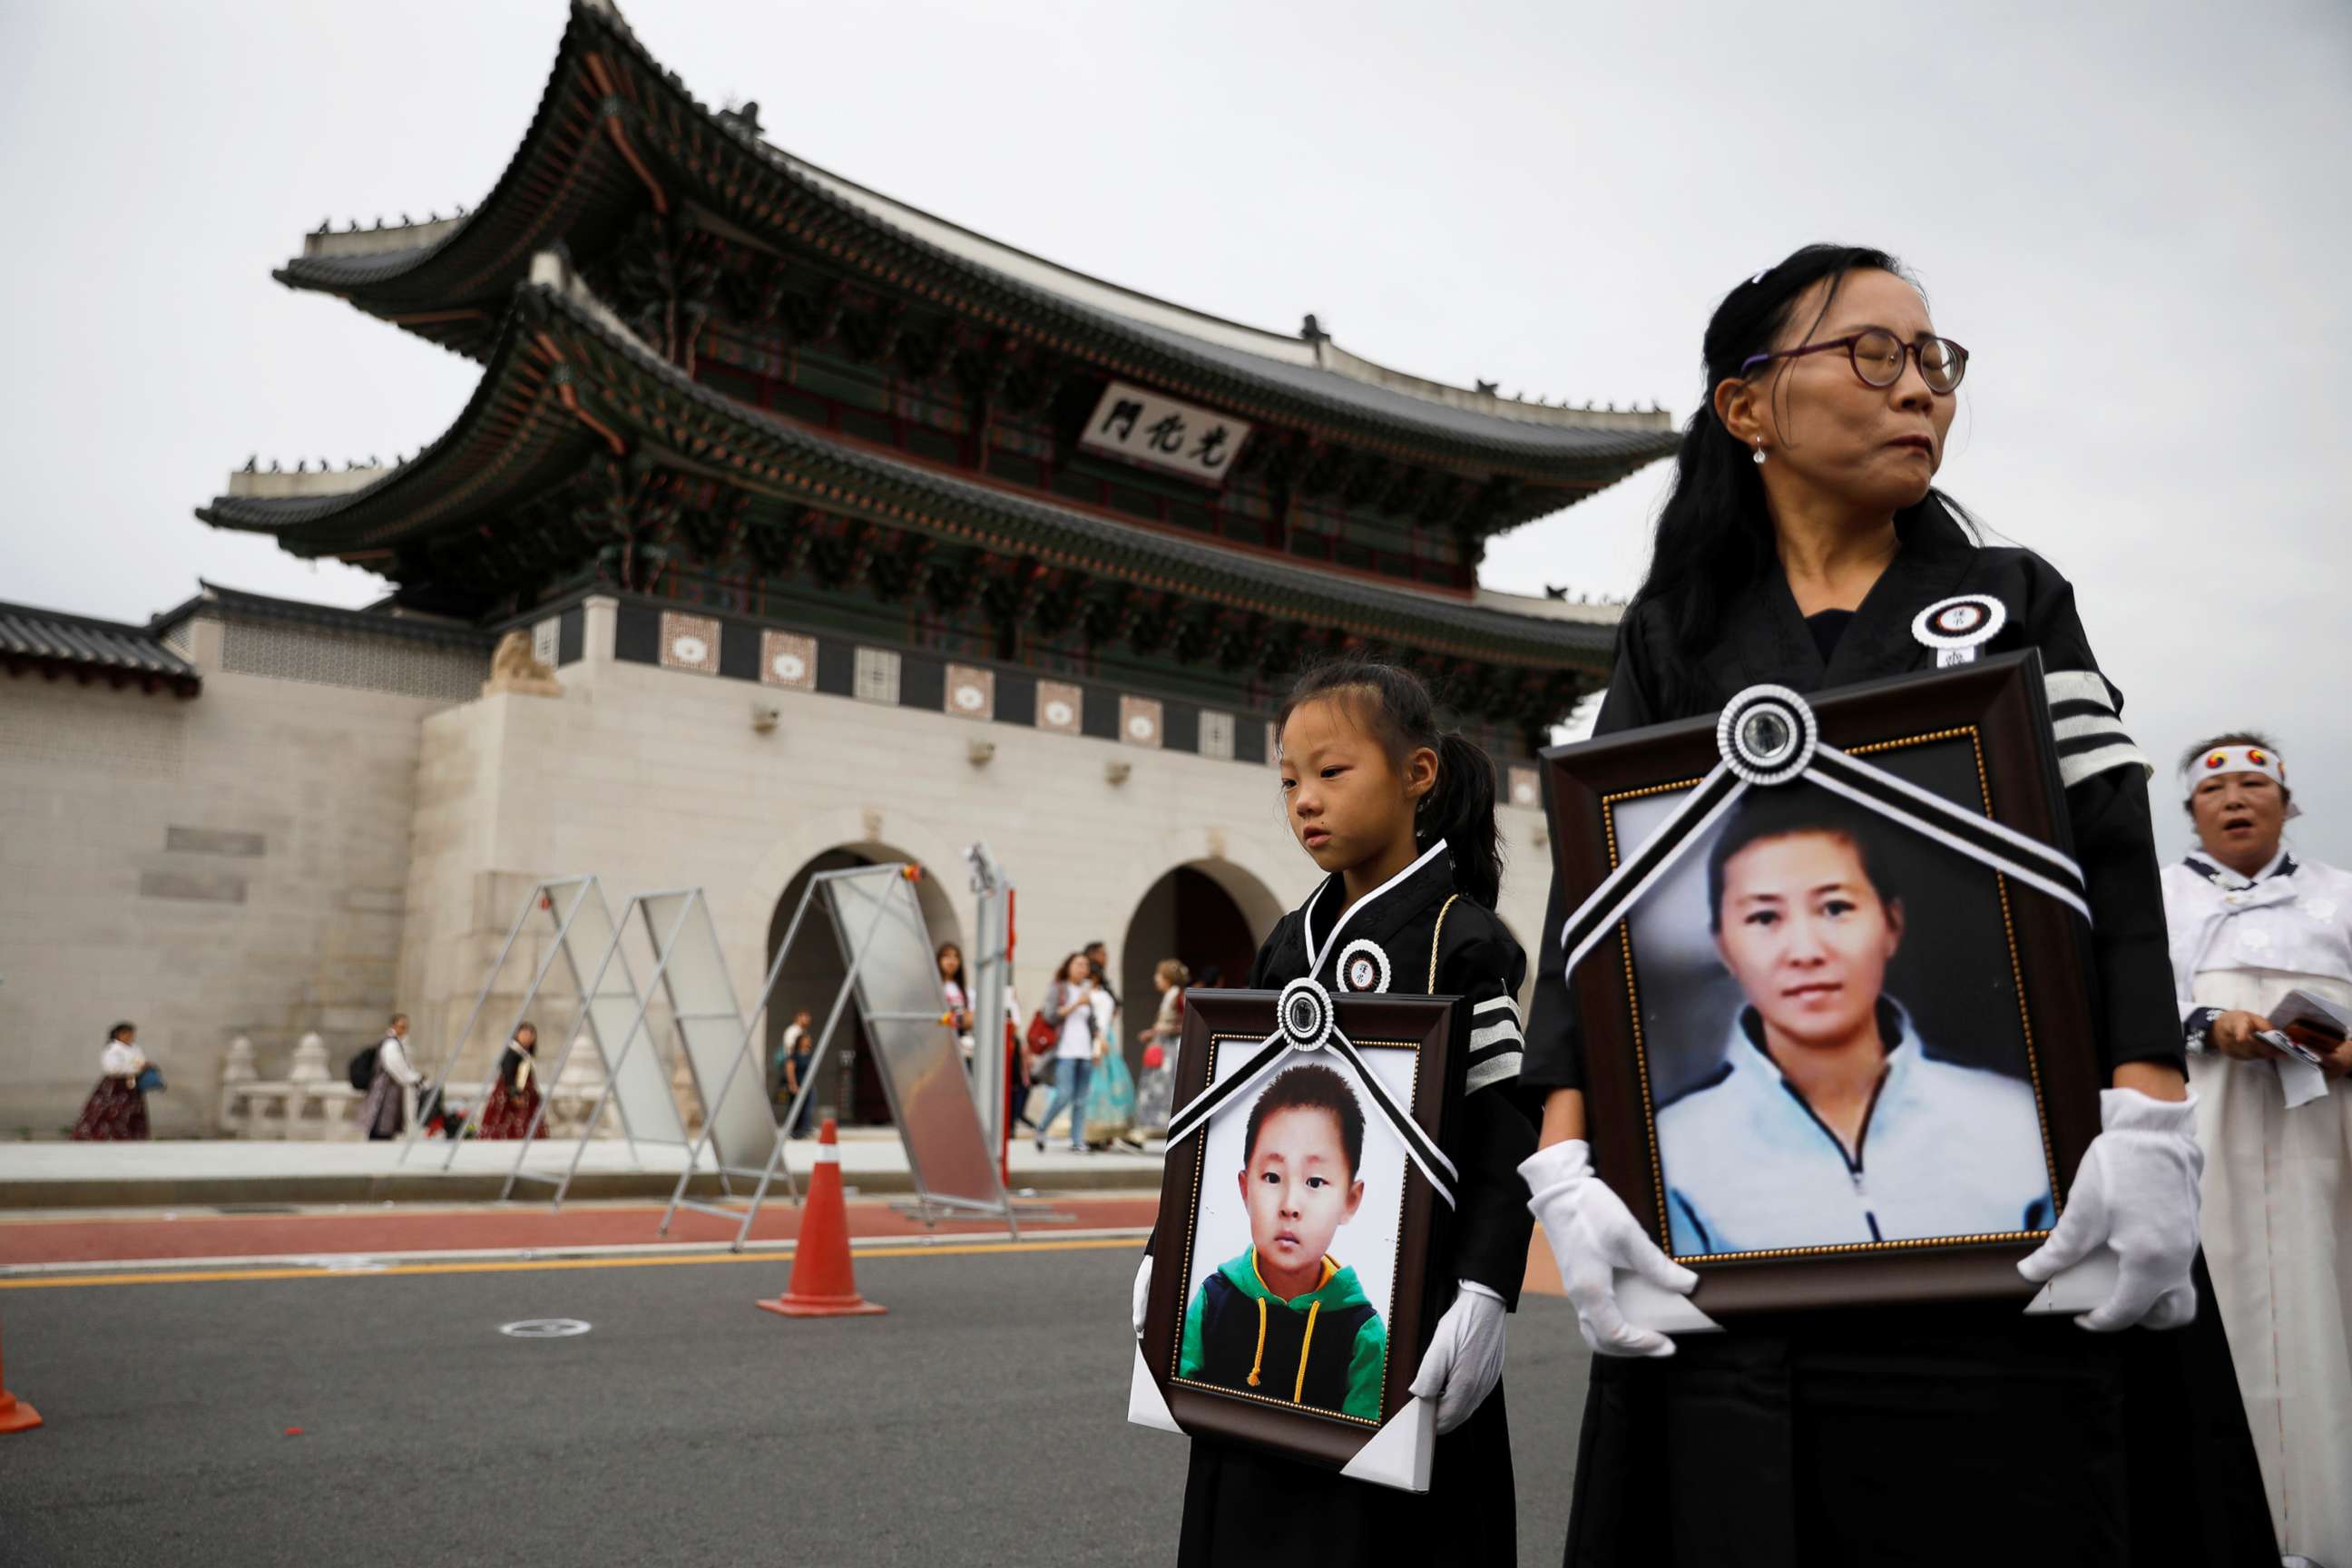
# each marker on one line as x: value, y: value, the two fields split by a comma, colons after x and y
x: 842, y: 533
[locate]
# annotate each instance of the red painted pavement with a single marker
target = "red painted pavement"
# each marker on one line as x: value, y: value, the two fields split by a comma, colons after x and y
x: 488, y: 1228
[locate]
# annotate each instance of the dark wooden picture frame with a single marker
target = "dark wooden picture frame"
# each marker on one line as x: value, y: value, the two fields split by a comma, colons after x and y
x: 1997, y: 707
x: 1216, y: 1024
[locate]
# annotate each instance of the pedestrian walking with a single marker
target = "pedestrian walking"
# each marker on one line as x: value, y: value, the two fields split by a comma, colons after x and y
x: 514, y: 1099
x: 116, y: 1110
x: 794, y: 1058
x: 1155, y: 1088
x: 1079, y: 1011
x: 390, y: 1096
x: 1111, y: 1094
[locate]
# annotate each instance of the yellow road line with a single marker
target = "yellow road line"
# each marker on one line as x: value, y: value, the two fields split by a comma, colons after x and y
x: 535, y: 1264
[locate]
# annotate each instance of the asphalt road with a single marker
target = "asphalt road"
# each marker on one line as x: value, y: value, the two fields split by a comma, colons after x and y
x: 981, y: 1422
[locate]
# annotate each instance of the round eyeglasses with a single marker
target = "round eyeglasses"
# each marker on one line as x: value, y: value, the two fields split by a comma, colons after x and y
x: 1878, y: 357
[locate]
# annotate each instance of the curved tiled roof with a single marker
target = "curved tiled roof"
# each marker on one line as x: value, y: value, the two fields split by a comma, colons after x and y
x: 51, y: 642
x: 517, y: 436
x: 450, y: 280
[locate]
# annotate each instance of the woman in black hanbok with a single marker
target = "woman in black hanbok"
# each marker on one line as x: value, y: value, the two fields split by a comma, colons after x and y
x: 1801, y: 542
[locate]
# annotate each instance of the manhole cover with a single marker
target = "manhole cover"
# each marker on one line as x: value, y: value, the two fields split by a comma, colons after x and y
x: 544, y: 1329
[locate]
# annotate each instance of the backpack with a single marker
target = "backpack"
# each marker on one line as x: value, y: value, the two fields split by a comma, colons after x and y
x: 363, y: 1069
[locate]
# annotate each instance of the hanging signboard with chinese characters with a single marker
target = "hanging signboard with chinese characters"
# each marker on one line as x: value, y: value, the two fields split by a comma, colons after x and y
x: 1161, y: 433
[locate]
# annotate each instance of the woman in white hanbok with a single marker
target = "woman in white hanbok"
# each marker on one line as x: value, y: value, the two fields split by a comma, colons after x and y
x: 2252, y: 921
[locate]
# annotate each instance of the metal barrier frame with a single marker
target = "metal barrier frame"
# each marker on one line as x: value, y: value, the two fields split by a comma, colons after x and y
x: 664, y: 948
x: 777, y: 1161
x: 542, y: 893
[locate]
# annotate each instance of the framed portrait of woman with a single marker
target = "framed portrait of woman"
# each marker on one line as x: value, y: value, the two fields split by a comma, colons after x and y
x: 1288, y: 1298
x: 1834, y: 989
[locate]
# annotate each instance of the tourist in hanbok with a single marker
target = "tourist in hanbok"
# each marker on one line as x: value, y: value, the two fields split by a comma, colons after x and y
x: 514, y: 1097
x: 1110, y: 1097
x: 390, y: 1093
x: 116, y: 1110
x: 1802, y: 545
x: 2252, y: 921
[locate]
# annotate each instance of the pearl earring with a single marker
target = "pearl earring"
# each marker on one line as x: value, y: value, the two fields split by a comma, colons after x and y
x: 1759, y: 451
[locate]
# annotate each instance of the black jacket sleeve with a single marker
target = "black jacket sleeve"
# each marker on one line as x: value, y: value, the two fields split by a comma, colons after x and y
x: 2135, y: 1015
x: 1495, y: 1132
x: 1555, y: 1049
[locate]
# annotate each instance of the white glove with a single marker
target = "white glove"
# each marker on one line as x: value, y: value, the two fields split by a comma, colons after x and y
x: 1591, y: 1234
x: 1465, y: 1356
x: 2136, y: 1193
x: 1142, y: 1291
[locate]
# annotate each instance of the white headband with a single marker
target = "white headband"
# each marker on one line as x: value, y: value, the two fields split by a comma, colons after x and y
x: 2233, y: 760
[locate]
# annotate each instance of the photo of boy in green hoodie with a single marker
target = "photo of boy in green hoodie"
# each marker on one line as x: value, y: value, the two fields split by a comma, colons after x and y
x: 1284, y: 1320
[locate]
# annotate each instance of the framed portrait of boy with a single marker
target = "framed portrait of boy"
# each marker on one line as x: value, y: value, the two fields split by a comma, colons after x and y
x: 1833, y: 986
x: 1288, y: 1299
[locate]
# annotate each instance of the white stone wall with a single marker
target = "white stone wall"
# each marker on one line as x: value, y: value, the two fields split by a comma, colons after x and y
x: 281, y: 855
x: 655, y: 777
x: 231, y: 864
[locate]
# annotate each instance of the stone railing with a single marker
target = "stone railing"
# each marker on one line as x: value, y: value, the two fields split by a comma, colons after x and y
x: 317, y: 1104
x: 310, y: 1102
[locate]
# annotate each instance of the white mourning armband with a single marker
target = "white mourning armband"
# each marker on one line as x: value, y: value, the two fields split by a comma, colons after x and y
x: 2091, y: 738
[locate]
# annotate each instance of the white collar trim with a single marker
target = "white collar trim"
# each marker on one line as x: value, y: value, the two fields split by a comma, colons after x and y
x: 1315, y: 951
x: 2235, y: 882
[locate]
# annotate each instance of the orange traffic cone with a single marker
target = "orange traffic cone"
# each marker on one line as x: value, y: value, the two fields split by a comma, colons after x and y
x: 16, y: 1415
x: 824, y: 1284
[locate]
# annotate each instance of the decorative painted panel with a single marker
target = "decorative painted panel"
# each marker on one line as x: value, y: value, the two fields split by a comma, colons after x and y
x: 1059, y: 707
x: 788, y: 659
x: 1139, y: 720
x: 689, y: 642
x: 971, y: 691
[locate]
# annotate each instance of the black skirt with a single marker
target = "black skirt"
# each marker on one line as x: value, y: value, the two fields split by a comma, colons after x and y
x: 1951, y: 1435
x: 1244, y: 1507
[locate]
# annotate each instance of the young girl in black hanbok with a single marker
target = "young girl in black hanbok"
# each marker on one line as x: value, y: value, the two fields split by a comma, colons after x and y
x: 1803, y: 545
x: 1401, y: 816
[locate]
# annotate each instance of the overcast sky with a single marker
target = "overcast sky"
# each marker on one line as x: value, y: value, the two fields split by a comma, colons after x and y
x: 2137, y: 220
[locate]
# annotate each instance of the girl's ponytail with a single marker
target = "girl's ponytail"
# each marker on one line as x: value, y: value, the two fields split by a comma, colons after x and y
x: 1460, y: 809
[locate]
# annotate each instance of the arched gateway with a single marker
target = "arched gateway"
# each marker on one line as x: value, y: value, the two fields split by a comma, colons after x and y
x: 1207, y: 914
